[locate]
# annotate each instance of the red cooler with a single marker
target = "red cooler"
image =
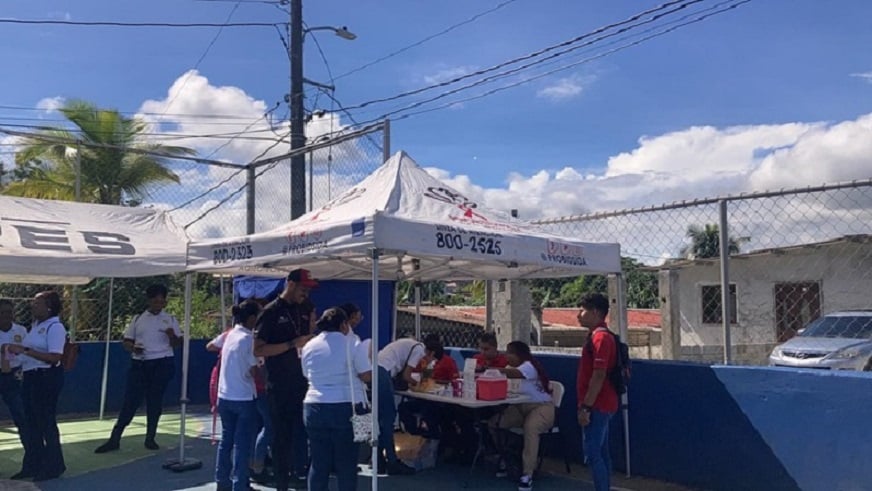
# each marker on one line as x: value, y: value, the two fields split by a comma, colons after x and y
x: 492, y: 389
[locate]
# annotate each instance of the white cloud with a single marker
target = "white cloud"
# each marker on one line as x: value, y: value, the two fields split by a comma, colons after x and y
x: 50, y: 104
x: 867, y: 76
x: 443, y: 73
x: 562, y: 89
x: 193, y: 106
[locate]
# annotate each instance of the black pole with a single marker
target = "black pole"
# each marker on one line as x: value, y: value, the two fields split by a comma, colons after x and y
x: 298, y: 130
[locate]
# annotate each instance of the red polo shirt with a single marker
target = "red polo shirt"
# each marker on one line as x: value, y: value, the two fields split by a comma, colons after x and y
x: 499, y: 361
x: 603, y: 355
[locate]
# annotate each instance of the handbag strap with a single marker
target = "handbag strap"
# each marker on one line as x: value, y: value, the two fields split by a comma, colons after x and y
x: 365, y: 400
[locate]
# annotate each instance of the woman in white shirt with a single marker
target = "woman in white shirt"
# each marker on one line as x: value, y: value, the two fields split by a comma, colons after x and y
x: 43, y: 380
x: 331, y: 363
x: 236, y: 400
x: 535, y: 417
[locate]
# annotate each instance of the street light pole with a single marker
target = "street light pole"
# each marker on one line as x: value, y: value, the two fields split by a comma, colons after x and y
x: 298, y: 130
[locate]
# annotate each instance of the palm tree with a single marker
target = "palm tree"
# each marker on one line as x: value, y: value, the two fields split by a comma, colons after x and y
x: 106, y: 146
x: 705, y: 242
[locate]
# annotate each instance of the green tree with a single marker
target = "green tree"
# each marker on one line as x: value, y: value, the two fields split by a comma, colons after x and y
x: 107, y: 148
x: 705, y: 242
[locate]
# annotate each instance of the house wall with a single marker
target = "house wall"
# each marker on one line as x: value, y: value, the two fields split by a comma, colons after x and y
x: 842, y: 270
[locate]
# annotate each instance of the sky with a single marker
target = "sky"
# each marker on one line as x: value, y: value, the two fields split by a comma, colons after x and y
x: 770, y: 94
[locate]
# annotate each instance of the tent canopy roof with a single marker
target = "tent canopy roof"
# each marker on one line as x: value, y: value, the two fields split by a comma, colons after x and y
x: 62, y: 242
x: 421, y: 228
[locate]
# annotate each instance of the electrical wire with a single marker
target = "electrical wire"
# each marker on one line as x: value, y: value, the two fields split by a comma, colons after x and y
x: 136, y: 24
x: 426, y: 39
x: 201, y: 58
x: 532, y: 55
x: 552, y: 56
x: 727, y: 6
x: 239, y: 135
x: 137, y: 113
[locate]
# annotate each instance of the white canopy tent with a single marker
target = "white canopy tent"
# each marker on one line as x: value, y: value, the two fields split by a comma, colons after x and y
x: 62, y: 242
x: 401, y: 223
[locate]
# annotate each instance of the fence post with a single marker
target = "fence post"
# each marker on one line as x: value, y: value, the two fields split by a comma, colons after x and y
x: 251, y: 188
x: 725, y: 280
x: 386, y: 144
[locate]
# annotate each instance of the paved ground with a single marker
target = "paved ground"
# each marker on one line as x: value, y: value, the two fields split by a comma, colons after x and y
x: 134, y: 469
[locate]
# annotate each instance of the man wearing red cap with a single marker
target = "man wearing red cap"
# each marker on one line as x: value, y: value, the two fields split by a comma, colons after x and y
x: 282, y: 331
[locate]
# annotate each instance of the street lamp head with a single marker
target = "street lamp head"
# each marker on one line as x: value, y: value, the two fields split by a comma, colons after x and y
x: 344, y: 33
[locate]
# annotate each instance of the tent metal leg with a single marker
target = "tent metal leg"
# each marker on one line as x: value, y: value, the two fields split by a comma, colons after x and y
x: 375, y: 254
x: 184, y: 463
x: 105, y: 382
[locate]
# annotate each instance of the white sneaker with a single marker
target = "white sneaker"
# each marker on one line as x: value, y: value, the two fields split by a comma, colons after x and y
x: 525, y: 484
x: 502, y: 471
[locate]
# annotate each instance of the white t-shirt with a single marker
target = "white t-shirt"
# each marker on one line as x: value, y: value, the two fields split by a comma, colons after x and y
x: 530, y: 385
x: 47, y: 336
x: 393, y: 356
x: 148, y: 330
x: 235, y: 382
x: 325, y: 363
x: 15, y: 335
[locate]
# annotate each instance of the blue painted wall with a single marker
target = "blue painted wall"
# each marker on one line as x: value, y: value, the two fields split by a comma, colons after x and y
x: 716, y: 428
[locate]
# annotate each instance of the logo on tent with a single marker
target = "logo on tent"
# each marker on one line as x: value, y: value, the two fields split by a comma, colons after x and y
x: 304, y: 241
x: 358, y: 227
x: 562, y: 253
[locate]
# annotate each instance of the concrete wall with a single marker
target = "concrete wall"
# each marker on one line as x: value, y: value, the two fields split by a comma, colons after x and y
x: 841, y: 269
x: 712, y: 428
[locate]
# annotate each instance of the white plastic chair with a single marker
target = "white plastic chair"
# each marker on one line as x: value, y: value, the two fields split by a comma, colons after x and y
x: 557, y: 391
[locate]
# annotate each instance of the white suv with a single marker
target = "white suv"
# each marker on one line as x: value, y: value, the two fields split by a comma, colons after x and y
x: 837, y: 341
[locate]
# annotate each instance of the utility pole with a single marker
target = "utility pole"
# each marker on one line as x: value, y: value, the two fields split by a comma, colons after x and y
x: 298, y: 130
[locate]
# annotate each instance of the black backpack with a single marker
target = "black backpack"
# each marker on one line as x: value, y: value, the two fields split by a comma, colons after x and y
x: 619, y: 375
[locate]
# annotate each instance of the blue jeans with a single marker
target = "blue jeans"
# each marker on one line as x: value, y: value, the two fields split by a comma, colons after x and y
x: 387, y: 413
x: 596, y: 449
x: 237, y: 423
x: 264, y: 437
x: 331, y: 442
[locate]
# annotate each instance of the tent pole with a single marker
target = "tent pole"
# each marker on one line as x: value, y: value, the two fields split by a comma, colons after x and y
x: 183, y: 463
x: 223, y: 305
x: 417, y: 310
x: 375, y: 253
x: 622, y: 321
x: 489, y: 305
x: 104, y: 384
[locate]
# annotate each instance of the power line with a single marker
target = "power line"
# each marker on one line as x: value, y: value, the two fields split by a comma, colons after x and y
x: 539, y: 61
x: 426, y: 39
x: 135, y: 113
x: 239, y: 135
x: 202, y: 57
x: 162, y: 136
x: 73, y: 142
x: 522, y: 58
x: 135, y: 24
x: 699, y: 18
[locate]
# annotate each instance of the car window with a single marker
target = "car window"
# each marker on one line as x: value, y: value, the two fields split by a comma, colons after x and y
x: 859, y: 327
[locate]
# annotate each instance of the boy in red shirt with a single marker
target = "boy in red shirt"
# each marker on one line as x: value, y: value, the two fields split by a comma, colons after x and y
x: 488, y: 355
x: 597, y: 399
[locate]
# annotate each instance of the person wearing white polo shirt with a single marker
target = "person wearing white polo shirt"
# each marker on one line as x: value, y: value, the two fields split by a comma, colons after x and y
x: 150, y: 339
x: 10, y: 374
x: 40, y: 353
x: 236, y: 400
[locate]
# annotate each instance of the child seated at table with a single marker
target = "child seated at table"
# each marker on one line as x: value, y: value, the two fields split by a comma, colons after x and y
x: 440, y: 368
x: 535, y: 417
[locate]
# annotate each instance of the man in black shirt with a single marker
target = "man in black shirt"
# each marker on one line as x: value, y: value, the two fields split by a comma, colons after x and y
x: 282, y: 331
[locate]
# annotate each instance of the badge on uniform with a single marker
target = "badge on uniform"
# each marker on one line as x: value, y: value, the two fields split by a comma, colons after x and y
x: 41, y: 330
x: 17, y: 338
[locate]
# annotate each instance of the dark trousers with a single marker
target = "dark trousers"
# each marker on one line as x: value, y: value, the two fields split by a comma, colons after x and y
x: 40, y: 391
x: 290, y: 443
x: 333, y: 446
x: 145, y: 379
x: 10, y: 391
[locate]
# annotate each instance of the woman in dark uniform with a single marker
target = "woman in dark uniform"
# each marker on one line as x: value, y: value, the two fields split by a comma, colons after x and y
x: 43, y: 379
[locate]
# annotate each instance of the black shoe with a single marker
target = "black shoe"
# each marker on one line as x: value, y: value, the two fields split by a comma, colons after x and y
x: 22, y: 475
x: 151, y: 444
x: 109, y: 446
x: 399, y: 469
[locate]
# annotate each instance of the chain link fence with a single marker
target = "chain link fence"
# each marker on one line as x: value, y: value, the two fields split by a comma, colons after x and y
x: 211, y: 199
x: 799, y: 271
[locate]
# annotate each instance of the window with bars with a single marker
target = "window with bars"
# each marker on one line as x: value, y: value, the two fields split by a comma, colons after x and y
x: 710, y: 297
